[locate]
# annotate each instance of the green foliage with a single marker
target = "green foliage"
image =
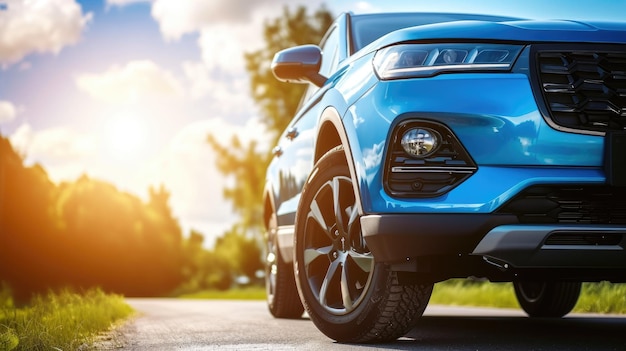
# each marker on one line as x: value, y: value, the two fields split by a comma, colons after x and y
x: 463, y: 292
x: 206, y: 269
x: 247, y: 167
x: 601, y: 297
x: 87, y: 233
x: 63, y: 321
x: 245, y: 293
x: 245, y: 249
x: 278, y: 100
x: 83, y: 234
x: 244, y: 163
x: 234, y: 256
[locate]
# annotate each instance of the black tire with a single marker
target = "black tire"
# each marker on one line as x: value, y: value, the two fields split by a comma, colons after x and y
x: 348, y: 296
x: 283, y: 300
x: 547, y: 299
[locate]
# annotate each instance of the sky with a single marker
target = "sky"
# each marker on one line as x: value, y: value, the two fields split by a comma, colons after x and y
x: 127, y: 91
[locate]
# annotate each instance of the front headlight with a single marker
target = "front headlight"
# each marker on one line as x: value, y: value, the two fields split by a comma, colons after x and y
x: 426, y: 60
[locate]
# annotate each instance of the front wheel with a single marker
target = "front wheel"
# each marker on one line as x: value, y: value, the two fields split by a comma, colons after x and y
x: 547, y: 299
x: 349, y: 296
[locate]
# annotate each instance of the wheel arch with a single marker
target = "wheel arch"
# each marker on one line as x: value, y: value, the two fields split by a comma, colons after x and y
x: 332, y: 132
x: 268, y: 204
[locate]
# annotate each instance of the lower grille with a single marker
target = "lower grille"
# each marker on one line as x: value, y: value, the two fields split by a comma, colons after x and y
x: 578, y: 239
x: 569, y: 205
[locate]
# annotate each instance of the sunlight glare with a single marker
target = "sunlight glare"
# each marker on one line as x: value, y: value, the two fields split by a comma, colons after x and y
x: 126, y: 138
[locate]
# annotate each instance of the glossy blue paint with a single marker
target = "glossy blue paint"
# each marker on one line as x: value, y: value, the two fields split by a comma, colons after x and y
x: 512, y: 31
x: 500, y: 130
x: 495, y: 116
x: 508, y: 162
x: 483, y: 192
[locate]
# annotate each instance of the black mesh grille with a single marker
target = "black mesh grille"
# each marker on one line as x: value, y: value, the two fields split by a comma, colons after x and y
x: 569, y: 205
x: 583, y: 86
x: 430, y: 176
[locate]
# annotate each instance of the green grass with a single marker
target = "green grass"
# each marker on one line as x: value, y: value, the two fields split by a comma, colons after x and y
x: 602, y: 298
x: 595, y: 297
x: 58, y: 321
x: 247, y: 293
x: 459, y: 292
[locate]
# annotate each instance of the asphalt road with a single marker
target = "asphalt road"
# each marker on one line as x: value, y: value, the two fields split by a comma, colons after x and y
x: 175, y: 324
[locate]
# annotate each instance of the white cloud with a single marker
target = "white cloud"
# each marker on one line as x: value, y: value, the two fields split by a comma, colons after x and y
x: 28, y: 26
x: 179, y: 17
x: 187, y: 169
x: 64, y: 153
x: 223, y: 86
x: 55, y: 143
x: 223, y: 46
x: 227, y: 93
x: 7, y: 111
x: 134, y: 81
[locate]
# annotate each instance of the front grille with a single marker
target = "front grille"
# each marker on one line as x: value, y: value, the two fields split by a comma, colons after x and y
x: 583, y: 86
x: 569, y: 205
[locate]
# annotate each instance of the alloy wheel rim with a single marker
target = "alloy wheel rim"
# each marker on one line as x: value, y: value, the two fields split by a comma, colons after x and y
x: 338, y: 265
x: 271, y: 263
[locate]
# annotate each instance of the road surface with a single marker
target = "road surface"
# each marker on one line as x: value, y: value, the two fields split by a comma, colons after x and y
x: 178, y: 324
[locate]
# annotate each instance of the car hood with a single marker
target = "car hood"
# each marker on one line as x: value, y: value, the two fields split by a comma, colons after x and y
x: 528, y: 31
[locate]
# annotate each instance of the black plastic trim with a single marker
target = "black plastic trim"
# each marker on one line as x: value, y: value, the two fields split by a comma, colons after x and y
x: 430, y: 176
x: 398, y: 238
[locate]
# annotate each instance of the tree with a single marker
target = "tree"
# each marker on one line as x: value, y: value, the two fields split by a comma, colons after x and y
x: 247, y: 166
x: 242, y: 253
x: 278, y: 102
x: 83, y: 234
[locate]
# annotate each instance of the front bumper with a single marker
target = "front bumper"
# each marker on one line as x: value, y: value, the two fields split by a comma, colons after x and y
x: 555, y: 246
x: 397, y: 238
x: 499, y: 241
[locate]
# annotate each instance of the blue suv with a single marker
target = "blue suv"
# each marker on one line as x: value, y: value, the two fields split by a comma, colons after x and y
x: 432, y: 146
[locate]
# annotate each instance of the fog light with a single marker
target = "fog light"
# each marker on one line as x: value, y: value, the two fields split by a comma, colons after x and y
x: 420, y: 142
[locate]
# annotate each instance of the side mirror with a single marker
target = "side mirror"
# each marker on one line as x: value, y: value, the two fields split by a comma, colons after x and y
x: 300, y: 64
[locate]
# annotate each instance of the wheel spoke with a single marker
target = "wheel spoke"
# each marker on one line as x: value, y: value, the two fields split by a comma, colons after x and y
x: 332, y: 269
x: 364, y: 261
x: 311, y: 255
x: 345, y: 287
x: 353, y: 216
x: 354, y: 227
x: 339, y: 270
x: 316, y: 214
x: 336, y: 202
